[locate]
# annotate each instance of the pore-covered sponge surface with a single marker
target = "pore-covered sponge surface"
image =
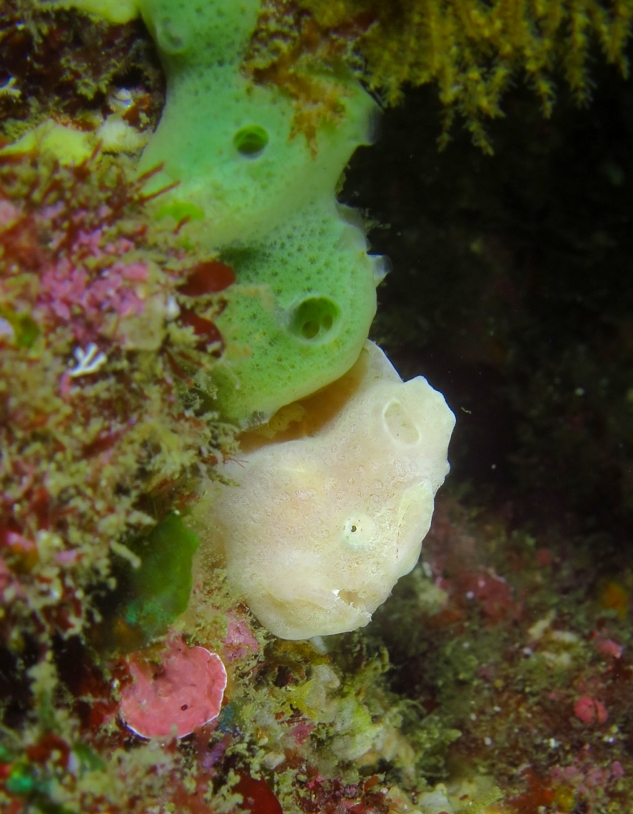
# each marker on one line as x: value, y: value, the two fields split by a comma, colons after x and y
x: 263, y: 196
x: 330, y: 513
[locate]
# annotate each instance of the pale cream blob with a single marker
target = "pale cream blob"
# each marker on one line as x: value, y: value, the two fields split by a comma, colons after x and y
x: 335, y: 496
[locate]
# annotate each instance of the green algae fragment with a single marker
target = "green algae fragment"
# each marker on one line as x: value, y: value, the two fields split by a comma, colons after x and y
x: 22, y: 780
x: 67, y: 145
x: 25, y: 330
x: 88, y: 759
x: 116, y: 11
x: 157, y: 592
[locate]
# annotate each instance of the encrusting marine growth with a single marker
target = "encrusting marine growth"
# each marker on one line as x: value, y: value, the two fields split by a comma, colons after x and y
x: 263, y: 196
x: 475, y: 51
x: 255, y: 181
x: 153, y: 306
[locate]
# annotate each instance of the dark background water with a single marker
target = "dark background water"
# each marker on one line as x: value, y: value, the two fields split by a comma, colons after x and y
x: 512, y: 291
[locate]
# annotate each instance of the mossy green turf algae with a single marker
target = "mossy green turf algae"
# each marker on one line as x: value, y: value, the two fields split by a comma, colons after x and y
x: 305, y: 297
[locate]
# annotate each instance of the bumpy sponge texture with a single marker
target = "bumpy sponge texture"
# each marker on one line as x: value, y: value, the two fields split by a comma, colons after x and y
x: 331, y: 511
x: 265, y: 198
x: 299, y: 317
x: 228, y: 142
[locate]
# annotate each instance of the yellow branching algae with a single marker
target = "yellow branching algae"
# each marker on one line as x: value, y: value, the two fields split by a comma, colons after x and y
x: 474, y: 50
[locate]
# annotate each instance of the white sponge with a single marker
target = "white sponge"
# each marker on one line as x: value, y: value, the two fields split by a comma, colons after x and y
x: 331, y: 511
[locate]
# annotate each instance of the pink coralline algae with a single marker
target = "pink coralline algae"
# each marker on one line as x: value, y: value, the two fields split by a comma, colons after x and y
x: 239, y: 641
x: 608, y: 647
x: 67, y: 289
x: 590, y: 710
x: 586, y: 777
x: 490, y: 592
x: 97, y: 367
x: 71, y: 264
x: 322, y: 796
x: 175, y: 697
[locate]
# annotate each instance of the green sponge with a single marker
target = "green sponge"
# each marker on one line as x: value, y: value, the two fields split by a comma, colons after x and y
x: 226, y: 141
x: 314, y: 302
x: 264, y: 198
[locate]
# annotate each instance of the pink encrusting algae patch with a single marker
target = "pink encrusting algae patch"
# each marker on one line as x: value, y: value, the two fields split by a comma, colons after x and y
x: 239, y: 641
x: 175, y: 697
x: 590, y: 710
